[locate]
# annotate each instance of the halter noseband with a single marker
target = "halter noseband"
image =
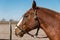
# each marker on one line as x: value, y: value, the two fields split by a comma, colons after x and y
x: 36, y: 18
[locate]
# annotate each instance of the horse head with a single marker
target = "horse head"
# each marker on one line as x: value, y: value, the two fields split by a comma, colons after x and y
x: 48, y: 20
x: 27, y: 22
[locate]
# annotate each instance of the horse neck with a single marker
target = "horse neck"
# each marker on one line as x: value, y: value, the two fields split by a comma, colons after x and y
x: 49, y: 24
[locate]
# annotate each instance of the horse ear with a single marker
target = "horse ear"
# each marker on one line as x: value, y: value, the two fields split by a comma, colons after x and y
x: 34, y: 4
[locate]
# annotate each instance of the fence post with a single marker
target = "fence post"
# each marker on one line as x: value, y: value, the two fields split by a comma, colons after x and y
x: 10, y: 30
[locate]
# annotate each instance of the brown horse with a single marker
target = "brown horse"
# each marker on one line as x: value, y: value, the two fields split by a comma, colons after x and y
x: 49, y: 21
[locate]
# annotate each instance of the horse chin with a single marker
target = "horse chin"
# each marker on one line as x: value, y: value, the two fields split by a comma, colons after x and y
x: 21, y: 34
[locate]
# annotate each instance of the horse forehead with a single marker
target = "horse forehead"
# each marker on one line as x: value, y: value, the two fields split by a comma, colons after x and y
x: 20, y: 21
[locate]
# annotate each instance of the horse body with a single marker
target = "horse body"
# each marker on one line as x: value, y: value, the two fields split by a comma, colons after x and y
x: 50, y: 23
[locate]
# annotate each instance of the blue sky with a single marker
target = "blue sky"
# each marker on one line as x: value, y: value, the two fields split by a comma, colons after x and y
x: 14, y: 9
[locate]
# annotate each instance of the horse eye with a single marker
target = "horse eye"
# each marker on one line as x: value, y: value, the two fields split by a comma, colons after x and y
x: 26, y: 16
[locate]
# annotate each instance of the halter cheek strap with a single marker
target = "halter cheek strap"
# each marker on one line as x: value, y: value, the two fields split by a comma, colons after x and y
x: 35, y: 15
x: 38, y: 25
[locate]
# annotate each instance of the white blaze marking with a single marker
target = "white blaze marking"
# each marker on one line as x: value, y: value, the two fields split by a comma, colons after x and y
x: 20, y: 21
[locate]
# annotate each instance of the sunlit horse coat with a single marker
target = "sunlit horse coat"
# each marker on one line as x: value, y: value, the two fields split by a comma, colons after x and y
x: 49, y: 22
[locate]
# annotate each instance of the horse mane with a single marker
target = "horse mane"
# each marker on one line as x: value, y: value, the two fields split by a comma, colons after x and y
x: 47, y: 10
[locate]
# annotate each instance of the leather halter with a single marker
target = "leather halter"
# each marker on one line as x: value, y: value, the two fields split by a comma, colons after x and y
x: 36, y: 18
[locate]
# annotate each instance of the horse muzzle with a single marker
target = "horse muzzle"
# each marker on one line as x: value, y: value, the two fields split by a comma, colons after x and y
x: 18, y: 32
x: 19, y: 35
